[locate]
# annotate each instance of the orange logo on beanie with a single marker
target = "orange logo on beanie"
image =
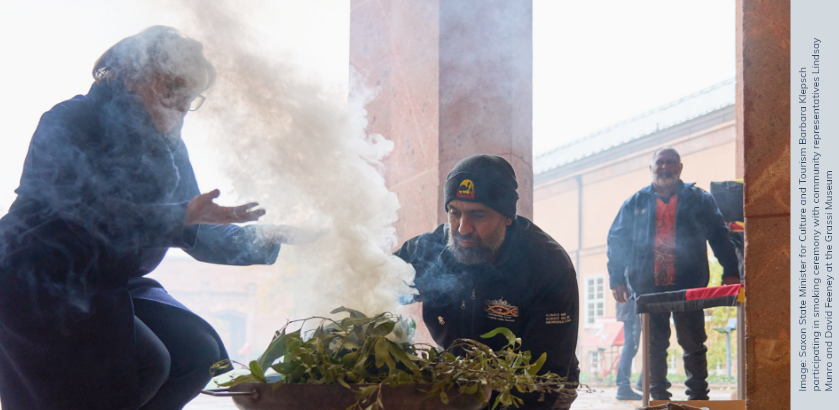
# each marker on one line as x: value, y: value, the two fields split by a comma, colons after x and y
x: 466, y: 189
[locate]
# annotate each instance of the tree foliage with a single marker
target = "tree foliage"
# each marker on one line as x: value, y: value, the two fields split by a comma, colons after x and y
x: 719, y: 318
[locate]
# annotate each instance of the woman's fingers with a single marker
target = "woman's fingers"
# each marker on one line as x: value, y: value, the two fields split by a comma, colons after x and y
x: 202, y: 210
x: 246, y: 216
x: 208, y: 196
x: 241, y: 214
x: 242, y: 209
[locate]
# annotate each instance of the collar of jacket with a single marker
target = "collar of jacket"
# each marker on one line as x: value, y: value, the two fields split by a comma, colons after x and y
x: 650, y: 190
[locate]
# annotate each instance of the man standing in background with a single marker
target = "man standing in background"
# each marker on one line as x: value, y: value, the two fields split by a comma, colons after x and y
x: 657, y: 243
x: 631, y: 340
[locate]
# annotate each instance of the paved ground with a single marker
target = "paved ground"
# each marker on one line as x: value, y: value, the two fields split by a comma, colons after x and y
x: 601, y: 398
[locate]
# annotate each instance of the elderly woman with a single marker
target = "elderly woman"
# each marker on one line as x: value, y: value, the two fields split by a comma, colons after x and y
x: 107, y: 188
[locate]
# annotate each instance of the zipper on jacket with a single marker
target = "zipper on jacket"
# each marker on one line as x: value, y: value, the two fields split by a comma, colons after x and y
x: 462, y: 318
x: 474, y: 336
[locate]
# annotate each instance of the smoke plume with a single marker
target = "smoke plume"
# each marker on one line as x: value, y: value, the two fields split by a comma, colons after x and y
x: 300, y: 148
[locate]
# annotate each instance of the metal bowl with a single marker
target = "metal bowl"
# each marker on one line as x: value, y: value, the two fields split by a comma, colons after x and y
x: 262, y: 396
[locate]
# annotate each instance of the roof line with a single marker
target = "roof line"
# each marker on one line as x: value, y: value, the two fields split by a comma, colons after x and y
x: 639, y: 116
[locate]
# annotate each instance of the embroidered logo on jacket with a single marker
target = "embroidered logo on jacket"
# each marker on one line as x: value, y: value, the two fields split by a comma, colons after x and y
x: 557, y: 318
x: 466, y: 189
x: 500, y: 309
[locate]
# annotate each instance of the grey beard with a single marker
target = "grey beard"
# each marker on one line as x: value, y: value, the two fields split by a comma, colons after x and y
x: 485, y: 252
x: 664, y: 178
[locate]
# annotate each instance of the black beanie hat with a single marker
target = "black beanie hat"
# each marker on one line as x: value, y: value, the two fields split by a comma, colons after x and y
x: 486, y: 179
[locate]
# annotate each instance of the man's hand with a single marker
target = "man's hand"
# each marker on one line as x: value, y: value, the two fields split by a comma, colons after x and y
x: 202, y: 210
x: 292, y: 235
x: 621, y: 293
x: 731, y: 280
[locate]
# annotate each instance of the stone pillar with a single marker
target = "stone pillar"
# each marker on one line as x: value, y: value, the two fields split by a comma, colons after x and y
x: 454, y: 79
x: 765, y: 108
x: 738, y: 104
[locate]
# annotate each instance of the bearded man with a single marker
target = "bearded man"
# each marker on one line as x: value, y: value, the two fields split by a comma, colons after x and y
x: 488, y: 268
x: 657, y: 243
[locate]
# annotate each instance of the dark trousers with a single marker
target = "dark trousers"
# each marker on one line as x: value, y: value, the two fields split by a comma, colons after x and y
x: 690, y: 333
x: 631, y: 341
x: 174, y: 353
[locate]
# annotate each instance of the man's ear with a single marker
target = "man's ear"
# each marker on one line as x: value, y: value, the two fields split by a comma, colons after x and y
x: 509, y: 221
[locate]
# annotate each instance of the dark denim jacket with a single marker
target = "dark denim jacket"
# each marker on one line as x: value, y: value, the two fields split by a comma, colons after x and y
x: 631, y: 238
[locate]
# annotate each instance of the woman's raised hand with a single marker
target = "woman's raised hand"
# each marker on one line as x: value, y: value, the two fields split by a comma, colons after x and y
x: 202, y: 210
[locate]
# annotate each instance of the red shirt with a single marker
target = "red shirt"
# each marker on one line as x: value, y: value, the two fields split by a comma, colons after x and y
x: 665, y: 241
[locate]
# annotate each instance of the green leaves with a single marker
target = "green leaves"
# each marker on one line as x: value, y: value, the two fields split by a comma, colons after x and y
x: 444, y: 397
x: 240, y: 379
x: 538, y: 365
x: 257, y: 372
x: 512, y: 340
x: 382, y: 329
x: 353, y: 313
x: 383, y: 354
x: 220, y: 367
x: 470, y: 389
x: 367, y: 352
x: 277, y: 348
x: 400, y: 355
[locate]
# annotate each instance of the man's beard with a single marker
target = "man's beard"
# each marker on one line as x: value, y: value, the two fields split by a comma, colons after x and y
x: 484, y: 252
x: 664, y: 177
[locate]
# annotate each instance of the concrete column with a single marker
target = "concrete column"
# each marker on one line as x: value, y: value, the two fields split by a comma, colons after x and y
x: 454, y: 79
x: 765, y: 104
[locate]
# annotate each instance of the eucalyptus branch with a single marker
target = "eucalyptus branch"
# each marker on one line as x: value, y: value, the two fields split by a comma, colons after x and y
x: 374, y: 360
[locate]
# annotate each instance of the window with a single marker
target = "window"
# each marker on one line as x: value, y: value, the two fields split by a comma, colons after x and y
x: 595, y: 359
x: 594, y: 300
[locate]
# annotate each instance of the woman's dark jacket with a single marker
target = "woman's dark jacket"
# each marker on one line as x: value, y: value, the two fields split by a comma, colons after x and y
x: 102, y: 197
x: 631, y: 238
x: 531, y: 289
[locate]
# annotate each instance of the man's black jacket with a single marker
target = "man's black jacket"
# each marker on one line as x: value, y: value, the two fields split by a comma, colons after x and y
x: 531, y: 289
x: 631, y: 238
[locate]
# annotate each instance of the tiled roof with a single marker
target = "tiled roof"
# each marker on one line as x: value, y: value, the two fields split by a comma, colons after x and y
x: 687, y: 108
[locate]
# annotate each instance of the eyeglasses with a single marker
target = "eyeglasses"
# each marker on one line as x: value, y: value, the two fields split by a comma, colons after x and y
x: 177, y: 96
x: 173, y: 100
x: 197, y: 102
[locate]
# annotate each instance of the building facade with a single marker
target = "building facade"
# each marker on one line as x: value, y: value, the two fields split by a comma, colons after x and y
x: 579, y: 188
